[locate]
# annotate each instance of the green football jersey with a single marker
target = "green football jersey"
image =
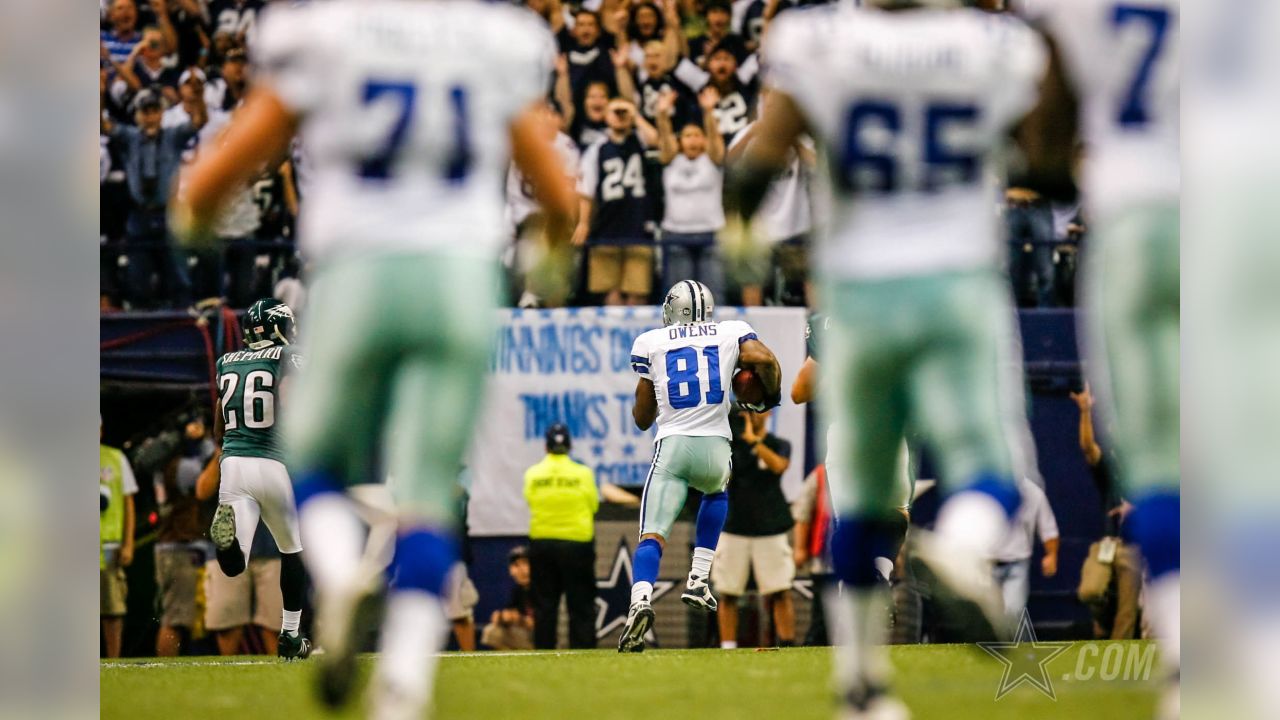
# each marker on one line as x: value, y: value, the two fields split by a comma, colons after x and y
x: 248, y: 389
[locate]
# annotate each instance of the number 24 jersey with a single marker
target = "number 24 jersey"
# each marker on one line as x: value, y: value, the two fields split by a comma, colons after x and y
x: 691, y: 367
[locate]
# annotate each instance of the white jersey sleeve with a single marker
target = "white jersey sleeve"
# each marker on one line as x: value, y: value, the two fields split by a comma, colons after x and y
x: 1024, y: 60
x: 640, y: 357
x: 787, y: 51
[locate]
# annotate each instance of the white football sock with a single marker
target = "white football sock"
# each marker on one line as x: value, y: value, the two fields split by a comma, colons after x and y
x: 641, y: 591
x: 290, y: 622
x: 334, y: 538
x: 858, y: 623
x: 972, y: 520
x: 413, y: 633
x: 701, y: 565
x: 1163, y: 608
x: 728, y: 644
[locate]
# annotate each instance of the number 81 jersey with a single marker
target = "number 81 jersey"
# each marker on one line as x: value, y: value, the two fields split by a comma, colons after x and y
x: 248, y: 391
x: 691, y: 367
x: 910, y: 108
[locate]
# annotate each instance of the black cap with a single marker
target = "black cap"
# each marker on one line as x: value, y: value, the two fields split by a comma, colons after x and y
x: 147, y: 98
x: 519, y: 552
x: 235, y: 54
x: 558, y: 440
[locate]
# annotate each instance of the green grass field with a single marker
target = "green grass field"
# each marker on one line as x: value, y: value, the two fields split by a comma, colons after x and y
x: 937, y: 681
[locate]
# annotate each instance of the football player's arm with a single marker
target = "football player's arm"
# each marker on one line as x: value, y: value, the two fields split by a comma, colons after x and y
x: 645, y: 411
x: 711, y: 126
x: 219, y: 425
x: 781, y: 123
x: 805, y: 383
x: 614, y: 494
x: 563, y: 93
x: 760, y: 359
x: 210, y: 476
x: 1048, y: 135
x: 260, y: 133
x: 541, y: 166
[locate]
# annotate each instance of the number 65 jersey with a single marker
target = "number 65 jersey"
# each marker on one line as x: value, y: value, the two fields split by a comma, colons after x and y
x: 691, y: 367
x: 404, y: 110
x: 910, y: 107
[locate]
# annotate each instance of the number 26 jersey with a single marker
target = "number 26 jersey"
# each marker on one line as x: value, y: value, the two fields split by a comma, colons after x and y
x: 691, y: 367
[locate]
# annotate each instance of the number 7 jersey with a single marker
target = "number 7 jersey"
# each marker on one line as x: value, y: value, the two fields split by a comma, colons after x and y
x: 691, y: 367
x: 404, y: 111
x: 909, y: 108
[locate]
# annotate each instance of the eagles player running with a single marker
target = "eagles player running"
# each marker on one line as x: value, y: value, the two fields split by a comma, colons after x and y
x: 410, y: 112
x: 254, y: 480
x: 683, y: 367
x: 1120, y: 65
x: 909, y: 102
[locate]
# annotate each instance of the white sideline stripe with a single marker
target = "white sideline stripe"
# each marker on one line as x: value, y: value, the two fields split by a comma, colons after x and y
x: 233, y: 663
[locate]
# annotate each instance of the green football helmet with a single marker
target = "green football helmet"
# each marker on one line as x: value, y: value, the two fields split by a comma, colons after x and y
x: 268, y: 322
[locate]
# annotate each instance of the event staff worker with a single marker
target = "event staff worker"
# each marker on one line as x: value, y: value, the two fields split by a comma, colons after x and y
x: 563, y: 500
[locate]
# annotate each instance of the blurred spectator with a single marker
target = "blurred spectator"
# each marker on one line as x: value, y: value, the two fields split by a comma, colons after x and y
x: 563, y: 500
x: 737, y: 87
x: 116, y: 488
x: 587, y: 46
x: 234, y: 17
x: 1111, y: 579
x: 178, y: 552
x: 693, y: 181
x: 785, y: 221
x: 122, y: 35
x: 647, y: 24
x: 754, y: 541
x: 151, y: 156
x: 812, y: 546
x: 718, y: 35
x: 614, y: 209
x: 588, y: 127
x: 658, y: 82
x: 250, y: 600
x: 511, y: 628
x: 193, y: 87
x: 1031, y: 246
x: 233, y: 83
x: 461, y: 598
x: 1012, y: 566
x: 148, y: 67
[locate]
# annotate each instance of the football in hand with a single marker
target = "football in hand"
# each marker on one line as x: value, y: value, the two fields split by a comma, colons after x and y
x: 747, y: 387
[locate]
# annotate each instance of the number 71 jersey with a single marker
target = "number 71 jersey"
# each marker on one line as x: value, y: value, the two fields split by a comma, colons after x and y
x: 691, y: 367
x: 910, y: 108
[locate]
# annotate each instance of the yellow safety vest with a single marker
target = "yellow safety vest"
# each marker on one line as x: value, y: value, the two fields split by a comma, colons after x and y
x: 562, y: 498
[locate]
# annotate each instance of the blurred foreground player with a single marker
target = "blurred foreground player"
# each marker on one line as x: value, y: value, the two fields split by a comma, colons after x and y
x: 410, y: 112
x: 910, y: 101
x: 1120, y: 65
x: 683, y: 368
x: 255, y: 483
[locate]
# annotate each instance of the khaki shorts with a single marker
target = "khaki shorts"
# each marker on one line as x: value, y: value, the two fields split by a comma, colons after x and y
x: 112, y: 591
x: 460, y: 595
x: 253, y: 596
x: 507, y: 637
x: 177, y: 577
x: 628, y: 268
x: 769, y: 558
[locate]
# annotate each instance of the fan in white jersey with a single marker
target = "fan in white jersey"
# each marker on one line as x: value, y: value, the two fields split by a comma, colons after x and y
x: 685, y: 369
x: 410, y: 112
x: 910, y: 106
x: 1118, y: 62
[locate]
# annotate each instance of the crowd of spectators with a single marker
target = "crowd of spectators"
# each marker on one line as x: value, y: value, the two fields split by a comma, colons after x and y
x: 651, y: 100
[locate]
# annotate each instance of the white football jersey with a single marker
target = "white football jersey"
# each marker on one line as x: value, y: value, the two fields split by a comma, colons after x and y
x: 909, y: 108
x: 405, y: 110
x: 1122, y: 59
x: 692, y: 368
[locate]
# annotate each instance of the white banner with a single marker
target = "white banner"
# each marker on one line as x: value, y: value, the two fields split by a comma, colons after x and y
x: 573, y: 366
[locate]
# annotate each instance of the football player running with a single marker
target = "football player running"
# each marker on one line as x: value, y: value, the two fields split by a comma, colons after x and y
x: 1118, y: 65
x: 683, y: 367
x: 254, y: 482
x: 910, y: 102
x: 409, y: 112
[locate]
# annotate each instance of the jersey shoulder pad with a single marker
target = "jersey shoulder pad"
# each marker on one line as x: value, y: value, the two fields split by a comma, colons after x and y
x: 739, y: 330
x: 289, y: 52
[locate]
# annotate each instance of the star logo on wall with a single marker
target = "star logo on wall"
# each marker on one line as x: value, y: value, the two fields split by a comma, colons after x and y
x: 613, y: 595
x: 1025, y: 660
